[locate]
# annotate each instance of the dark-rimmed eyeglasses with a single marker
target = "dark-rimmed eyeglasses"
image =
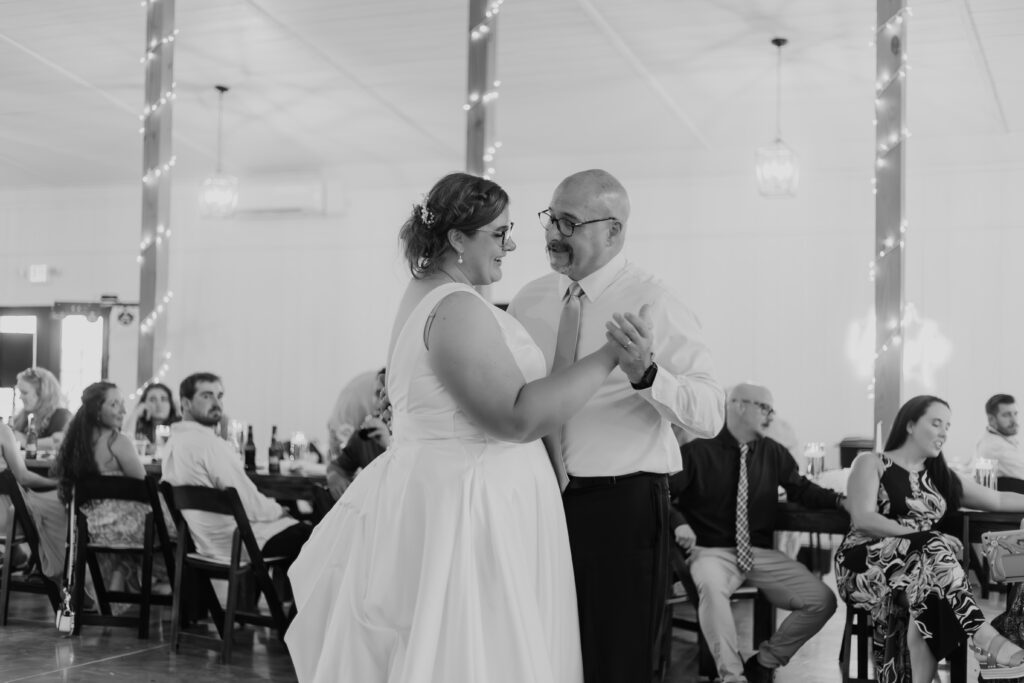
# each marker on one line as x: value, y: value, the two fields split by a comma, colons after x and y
x: 565, y: 226
x: 766, y: 409
x: 504, y: 233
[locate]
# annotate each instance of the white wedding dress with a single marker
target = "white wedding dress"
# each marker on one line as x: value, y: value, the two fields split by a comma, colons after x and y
x: 447, y: 560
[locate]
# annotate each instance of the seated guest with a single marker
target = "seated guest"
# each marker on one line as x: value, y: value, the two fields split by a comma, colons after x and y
x: 95, y: 446
x: 894, y: 556
x: 372, y: 439
x: 41, y: 398
x: 198, y: 457
x: 155, y: 408
x: 727, y: 493
x: 354, y: 403
x: 43, y: 503
x: 999, y: 443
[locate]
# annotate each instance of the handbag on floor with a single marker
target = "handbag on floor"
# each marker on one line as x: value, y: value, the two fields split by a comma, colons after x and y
x: 1005, y: 553
x: 64, y: 619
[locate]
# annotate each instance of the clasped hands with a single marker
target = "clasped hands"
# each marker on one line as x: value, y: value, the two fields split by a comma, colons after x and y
x: 632, y: 337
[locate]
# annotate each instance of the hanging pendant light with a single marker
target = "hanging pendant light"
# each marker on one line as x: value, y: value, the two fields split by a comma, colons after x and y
x: 218, y: 195
x: 778, y: 170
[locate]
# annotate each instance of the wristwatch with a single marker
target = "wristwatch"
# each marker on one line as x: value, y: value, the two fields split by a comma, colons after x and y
x: 647, y: 379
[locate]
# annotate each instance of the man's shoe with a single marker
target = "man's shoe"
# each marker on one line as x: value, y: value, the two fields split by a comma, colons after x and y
x: 756, y: 672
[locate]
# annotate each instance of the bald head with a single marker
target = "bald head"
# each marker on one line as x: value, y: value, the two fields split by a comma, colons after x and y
x: 749, y: 411
x: 602, y: 190
x: 594, y: 207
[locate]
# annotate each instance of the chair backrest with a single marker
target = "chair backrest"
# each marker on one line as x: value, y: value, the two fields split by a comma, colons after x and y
x: 22, y: 518
x: 122, y: 488
x: 1010, y: 484
x: 219, y: 502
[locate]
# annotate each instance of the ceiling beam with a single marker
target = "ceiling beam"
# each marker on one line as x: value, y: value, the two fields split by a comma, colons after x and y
x: 974, y: 38
x: 641, y: 69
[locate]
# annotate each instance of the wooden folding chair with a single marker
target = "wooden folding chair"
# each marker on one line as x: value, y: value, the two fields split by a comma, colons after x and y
x: 155, y: 539
x: 21, y: 529
x: 237, y: 569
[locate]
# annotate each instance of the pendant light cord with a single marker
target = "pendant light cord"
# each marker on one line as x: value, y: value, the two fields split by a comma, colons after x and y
x: 221, y: 89
x: 778, y: 43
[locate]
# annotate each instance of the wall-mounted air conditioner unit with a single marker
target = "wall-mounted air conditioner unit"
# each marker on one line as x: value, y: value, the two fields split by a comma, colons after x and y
x: 268, y: 195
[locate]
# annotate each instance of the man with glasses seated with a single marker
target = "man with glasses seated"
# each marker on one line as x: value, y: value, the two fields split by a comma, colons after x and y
x: 619, y: 449
x: 725, y: 518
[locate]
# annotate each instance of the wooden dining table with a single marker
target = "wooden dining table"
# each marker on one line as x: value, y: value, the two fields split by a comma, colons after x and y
x: 284, y: 487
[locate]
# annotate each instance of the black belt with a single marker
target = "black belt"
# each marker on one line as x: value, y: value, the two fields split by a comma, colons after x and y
x: 588, y: 482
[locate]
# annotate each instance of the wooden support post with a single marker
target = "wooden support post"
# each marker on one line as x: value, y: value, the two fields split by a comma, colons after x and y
x: 157, y: 162
x: 481, y: 87
x: 890, y: 226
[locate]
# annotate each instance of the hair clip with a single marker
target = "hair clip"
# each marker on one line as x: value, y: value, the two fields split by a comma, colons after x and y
x: 427, y: 217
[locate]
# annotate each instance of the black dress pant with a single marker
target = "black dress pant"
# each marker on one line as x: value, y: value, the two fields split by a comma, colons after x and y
x: 619, y: 538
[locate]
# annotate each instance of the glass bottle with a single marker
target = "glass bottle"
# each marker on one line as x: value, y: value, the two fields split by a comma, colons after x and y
x: 250, y: 452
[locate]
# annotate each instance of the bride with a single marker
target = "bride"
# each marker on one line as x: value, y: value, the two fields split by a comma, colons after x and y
x: 447, y: 560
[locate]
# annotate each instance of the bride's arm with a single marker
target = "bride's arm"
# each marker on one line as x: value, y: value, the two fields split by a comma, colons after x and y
x: 468, y: 353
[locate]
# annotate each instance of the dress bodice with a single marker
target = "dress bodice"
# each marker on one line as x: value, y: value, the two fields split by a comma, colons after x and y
x: 910, y: 498
x: 423, y: 409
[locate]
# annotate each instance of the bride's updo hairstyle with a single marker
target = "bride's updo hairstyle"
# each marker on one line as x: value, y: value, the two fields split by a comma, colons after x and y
x: 458, y: 201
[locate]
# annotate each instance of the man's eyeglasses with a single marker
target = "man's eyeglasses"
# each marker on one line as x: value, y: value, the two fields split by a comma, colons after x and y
x: 565, y: 226
x: 766, y: 409
x: 504, y: 233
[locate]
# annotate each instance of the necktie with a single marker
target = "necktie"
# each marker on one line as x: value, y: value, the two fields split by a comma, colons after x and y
x: 568, y: 329
x: 565, y: 355
x: 744, y: 554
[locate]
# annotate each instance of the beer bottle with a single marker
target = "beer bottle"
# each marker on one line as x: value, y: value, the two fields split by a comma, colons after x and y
x: 31, y: 439
x: 250, y: 452
x: 275, y: 452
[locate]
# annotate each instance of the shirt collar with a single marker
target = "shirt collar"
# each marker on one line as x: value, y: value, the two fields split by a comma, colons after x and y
x: 594, y: 284
x: 726, y: 438
x: 1011, y: 439
x: 191, y: 426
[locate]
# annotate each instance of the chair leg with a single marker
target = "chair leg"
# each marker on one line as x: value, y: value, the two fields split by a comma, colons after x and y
x: 229, y: 618
x: 5, y: 571
x: 97, y: 581
x: 176, y: 599
x: 146, y: 589
x: 78, y: 590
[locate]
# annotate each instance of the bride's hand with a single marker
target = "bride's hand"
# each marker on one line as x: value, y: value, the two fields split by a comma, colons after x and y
x: 610, y: 353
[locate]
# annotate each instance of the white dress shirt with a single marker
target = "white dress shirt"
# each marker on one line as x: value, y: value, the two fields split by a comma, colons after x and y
x: 1004, y: 450
x: 198, y: 457
x: 622, y: 430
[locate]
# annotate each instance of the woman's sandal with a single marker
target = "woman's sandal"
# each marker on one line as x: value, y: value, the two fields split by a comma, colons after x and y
x: 991, y: 667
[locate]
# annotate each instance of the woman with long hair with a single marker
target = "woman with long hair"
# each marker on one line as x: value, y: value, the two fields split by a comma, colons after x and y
x: 94, y: 446
x: 42, y: 398
x: 155, y: 408
x: 448, y: 558
x: 894, y: 556
x: 43, y: 504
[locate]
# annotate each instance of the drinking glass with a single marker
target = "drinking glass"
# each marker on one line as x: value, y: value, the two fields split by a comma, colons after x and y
x: 984, y: 472
x: 814, y: 454
x: 163, y: 433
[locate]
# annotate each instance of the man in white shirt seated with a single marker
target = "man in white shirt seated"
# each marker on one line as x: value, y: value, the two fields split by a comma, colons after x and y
x: 1000, y: 443
x: 198, y: 457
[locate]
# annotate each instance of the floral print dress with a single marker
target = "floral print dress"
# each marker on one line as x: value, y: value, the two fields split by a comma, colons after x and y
x: 923, y: 565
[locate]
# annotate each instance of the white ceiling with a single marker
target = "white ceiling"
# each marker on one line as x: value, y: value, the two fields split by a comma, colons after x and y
x: 317, y: 84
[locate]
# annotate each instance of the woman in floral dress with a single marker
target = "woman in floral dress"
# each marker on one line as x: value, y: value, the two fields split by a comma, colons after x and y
x: 95, y: 446
x: 895, y: 557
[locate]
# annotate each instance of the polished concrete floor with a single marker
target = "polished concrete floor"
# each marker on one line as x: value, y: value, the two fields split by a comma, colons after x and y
x: 32, y: 650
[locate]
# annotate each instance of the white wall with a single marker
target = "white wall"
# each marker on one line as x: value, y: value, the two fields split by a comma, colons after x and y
x: 288, y: 309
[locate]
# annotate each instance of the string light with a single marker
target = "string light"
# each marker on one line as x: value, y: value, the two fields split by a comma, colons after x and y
x: 161, y: 373
x: 153, y: 174
x: 478, y: 32
x: 162, y: 233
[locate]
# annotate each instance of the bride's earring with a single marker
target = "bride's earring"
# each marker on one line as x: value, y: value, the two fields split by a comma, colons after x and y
x: 460, y: 258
